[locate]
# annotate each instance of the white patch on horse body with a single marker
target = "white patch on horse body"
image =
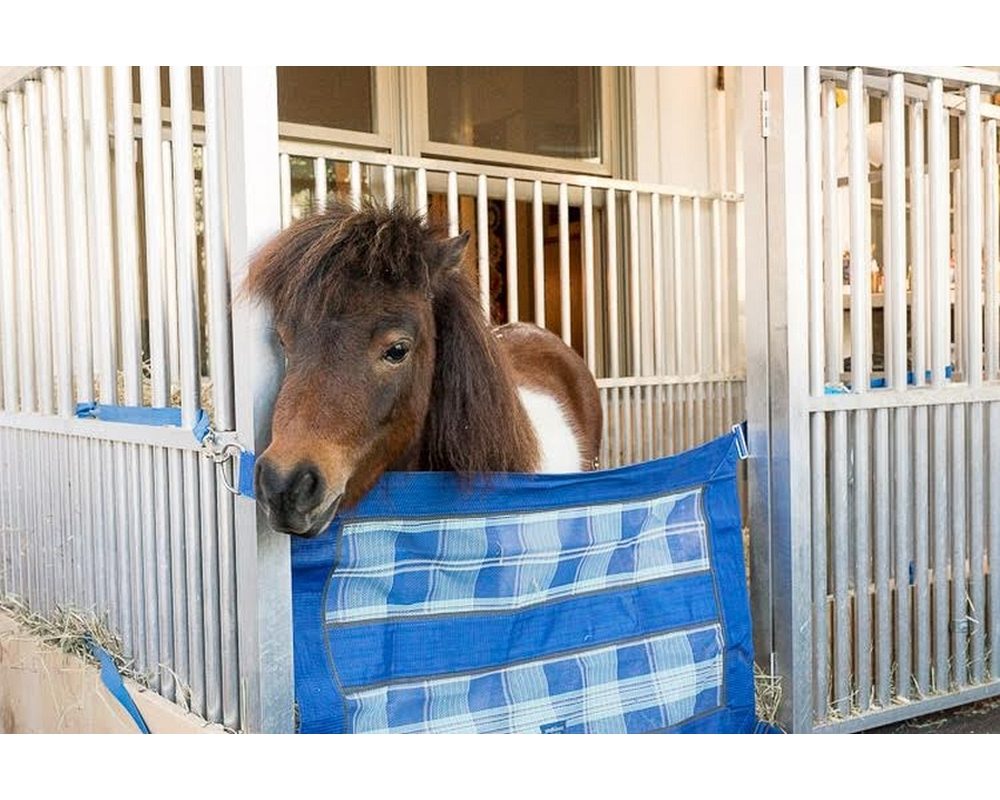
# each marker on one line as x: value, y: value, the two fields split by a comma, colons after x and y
x: 558, y: 448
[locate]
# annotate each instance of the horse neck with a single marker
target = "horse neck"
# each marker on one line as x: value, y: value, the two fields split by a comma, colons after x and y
x: 475, y: 422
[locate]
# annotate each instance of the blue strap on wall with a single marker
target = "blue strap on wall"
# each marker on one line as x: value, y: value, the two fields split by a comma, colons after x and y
x: 112, y: 679
x: 141, y: 415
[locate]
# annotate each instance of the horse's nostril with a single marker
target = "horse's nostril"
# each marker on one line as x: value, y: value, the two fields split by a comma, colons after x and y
x: 306, y: 489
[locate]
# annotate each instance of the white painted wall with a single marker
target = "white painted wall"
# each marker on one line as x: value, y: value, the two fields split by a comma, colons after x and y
x: 682, y: 127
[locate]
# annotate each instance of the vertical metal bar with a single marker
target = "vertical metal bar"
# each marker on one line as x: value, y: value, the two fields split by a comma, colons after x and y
x: 565, y: 318
x: 833, y: 265
x: 656, y: 254
x: 452, y: 204
x: 973, y: 224
x: 164, y: 579
x: 894, y: 218
x: 122, y: 586
x: 422, y: 191
x: 219, y: 546
x: 319, y: 176
x: 83, y: 360
x: 38, y: 225
x: 959, y: 613
x: 921, y: 511
x: 228, y: 616
x: 262, y: 557
x: 125, y: 225
x: 991, y: 233
x: 993, y: 521
x: 356, y: 184
x: 55, y: 181
x: 590, y: 314
x: 977, y: 513
x: 209, y: 555
x: 187, y: 261
x: 676, y: 238
x: 903, y: 532
x: 22, y: 251
x: 181, y: 663
x: 839, y: 509
x: 862, y: 558
x: 510, y: 226
x: 538, y: 260
x: 883, y: 616
x: 699, y: 293
x: 285, y: 178
x: 148, y: 495
x: 170, y: 270
x: 193, y: 573
x: 216, y: 265
x: 918, y: 266
x: 635, y: 297
x: 858, y: 183
x: 959, y: 330
x: 634, y: 426
x: 154, y: 233
x: 101, y: 227
x: 389, y: 182
x: 7, y: 275
x: 611, y: 214
x: 483, y: 245
x: 939, y: 226
x: 814, y: 212
x: 821, y: 641
x: 719, y: 305
x: 942, y: 520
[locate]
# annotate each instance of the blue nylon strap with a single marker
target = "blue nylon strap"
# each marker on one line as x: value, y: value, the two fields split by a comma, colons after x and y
x: 247, y: 462
x: 112, y: 679
x: 141, y: 415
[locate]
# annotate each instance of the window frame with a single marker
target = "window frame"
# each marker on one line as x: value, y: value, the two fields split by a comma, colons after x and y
x: 387, y: 123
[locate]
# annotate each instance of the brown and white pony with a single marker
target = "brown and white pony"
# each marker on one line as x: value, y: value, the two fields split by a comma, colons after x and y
x: 391, y: 366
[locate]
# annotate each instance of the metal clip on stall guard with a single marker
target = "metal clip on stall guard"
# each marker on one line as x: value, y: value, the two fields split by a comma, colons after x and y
x: 741, y: 441
x: 222, y: 448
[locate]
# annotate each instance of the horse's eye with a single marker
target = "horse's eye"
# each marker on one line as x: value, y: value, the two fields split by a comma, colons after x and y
x: 397, y: 353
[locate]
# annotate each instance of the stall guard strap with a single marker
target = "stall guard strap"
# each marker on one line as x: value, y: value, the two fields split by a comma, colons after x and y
x: 112, y: 680
x: 608, y: 601
x: 142, y: 415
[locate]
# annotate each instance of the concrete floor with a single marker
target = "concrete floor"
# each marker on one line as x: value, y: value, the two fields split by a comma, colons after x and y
x: 982, y: 717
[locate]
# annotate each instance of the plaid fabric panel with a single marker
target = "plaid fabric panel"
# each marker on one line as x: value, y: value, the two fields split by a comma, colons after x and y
x: 628, y: 688
x: 505, y: 562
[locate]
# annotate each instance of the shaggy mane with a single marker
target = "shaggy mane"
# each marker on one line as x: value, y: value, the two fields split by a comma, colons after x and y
x: 304, y: 272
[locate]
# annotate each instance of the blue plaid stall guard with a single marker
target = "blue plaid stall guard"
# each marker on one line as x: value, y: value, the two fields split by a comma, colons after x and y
x: 607, y: 602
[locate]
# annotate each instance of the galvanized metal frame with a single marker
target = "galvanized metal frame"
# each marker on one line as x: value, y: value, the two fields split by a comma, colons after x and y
x: 866, y: 631
x: 262, y: 557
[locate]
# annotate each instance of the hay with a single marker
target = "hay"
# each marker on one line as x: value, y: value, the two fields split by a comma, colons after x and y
x: 767, y: 695
x: 205, y: 398
x: 68, y: 630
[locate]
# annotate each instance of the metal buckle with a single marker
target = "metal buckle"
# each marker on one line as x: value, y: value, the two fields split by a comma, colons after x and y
x: 223, y: 448
x: 741, y: 442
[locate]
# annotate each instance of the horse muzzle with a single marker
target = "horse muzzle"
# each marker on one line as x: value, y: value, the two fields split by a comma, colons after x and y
x: 297, y: 501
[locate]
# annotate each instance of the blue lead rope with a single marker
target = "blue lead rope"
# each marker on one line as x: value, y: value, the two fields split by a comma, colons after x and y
x: 112, y: 679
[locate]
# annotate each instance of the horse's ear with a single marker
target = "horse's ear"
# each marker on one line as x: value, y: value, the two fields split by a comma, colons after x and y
x: 446, y: 255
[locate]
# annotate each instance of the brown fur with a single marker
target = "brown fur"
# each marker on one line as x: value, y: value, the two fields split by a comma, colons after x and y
x: 346, y: 284
x: 541, y: 361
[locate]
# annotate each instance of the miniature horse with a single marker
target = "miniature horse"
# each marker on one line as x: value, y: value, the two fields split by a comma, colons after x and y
x: 390, y: 365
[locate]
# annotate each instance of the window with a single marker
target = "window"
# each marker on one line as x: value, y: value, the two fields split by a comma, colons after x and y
x: 545, y: 111
x: 328, y: 97
x: 557, y: 118
x: 341, y: 105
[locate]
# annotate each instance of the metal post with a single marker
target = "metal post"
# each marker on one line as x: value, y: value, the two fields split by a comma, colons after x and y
x: 777, y: 381
x: 262, y: 557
